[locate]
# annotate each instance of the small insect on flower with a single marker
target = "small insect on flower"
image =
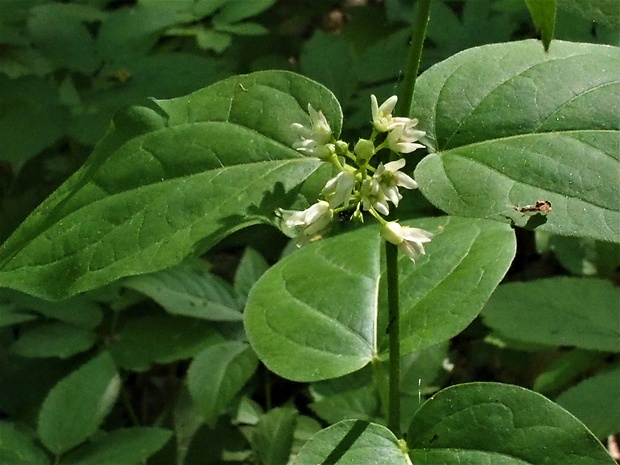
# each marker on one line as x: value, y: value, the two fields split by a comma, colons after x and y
x: 541, y: 207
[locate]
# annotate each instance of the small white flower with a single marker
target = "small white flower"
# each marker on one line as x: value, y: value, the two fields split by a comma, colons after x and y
x: 402, y: 136
x: 338, y: 190
x: 390, y: 179
x: 410, y: 240
x: 382, y: 117
x: 373, y: 196
x: 307, y: 223
x: 312, y: 148
x: 315, y: 140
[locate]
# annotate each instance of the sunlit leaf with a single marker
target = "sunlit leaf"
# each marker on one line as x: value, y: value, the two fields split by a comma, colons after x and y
x: 317, y: 315
x: 352, y: 441
x: 509, y: 124
x: 499, y: 424
x: 167, y: 183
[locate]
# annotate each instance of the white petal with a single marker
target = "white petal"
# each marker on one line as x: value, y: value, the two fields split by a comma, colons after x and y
x: 395, y: 165
x: 403, y: 180
x: 416, y: 235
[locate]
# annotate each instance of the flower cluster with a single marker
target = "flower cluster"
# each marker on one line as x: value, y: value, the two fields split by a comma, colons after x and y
x: 362, y: 183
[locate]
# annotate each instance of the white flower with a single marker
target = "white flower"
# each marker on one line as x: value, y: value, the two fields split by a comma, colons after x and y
x: 402, y: 136
x: 338, y: 190
x: 312, y: 148
x: 382, y: 118
x: 315, y: 140
x: 410, y: 240
x: 373, y: 196
x: 390, y: 179
x: 309, y: 222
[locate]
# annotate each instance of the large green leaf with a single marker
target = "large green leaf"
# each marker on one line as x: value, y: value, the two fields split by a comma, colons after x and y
x: 75, y: 408
x: 164, y: 184
x: 443, y: 293
x: 509, y: 124
x: 578, y: 312
x: 472, y: 424
x: 352, y: 441
x: 317, y: 314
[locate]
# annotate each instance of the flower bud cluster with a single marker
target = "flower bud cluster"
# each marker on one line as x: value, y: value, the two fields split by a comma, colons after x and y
x: 362, y: 183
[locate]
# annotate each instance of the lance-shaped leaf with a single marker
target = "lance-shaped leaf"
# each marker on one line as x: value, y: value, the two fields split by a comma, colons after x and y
x: 165, y: 183
x: 543, y: 14
x: 509, y: 124
x: 492, y: 423
x: 317, y: 314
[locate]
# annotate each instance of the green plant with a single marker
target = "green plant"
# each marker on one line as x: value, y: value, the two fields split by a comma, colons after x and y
x: 113, y: 320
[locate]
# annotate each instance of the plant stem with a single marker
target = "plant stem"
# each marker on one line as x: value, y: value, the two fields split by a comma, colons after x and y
x: 420, y: 21
x: 391, y: 258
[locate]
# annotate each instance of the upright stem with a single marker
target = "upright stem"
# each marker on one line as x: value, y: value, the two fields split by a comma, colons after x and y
x: 420, y: 22
x: 391, y: 259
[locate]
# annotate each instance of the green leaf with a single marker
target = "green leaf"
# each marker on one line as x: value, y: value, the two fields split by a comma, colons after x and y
x: 150, y: 195
x: 27, y: 103
x: 54, y: 340
x: 316, y: 315
x: 600, y: 11
x: 237, y: 10
x: 568, y: 366
x: 499, y: 424
x: 251, y: 267
x: 576, y: 312
x: 352, y: 441
x: 120, y: 447
x: 445, y: 291
x: 160, y: 339
x: 273, y: 437
x: 63, y: 38
x: 186, y: 422
x: 312, y: 316
x: 242, y: 29
x: 328, y: 59
x: 189, y: 290
x: 75, y: 408
x: 595, y: 402
x: 217, y: 374
x: 16, y: 448
x: 422, y: 370
x: 543, y: 14
x: 507, y: 128
x: 581, y: 255
x: 10, y: 315
x: 353, y: 396
x: 77, y: 311
x: 141, y: 77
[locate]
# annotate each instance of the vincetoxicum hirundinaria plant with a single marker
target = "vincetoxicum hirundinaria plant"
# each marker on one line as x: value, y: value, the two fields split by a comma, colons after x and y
x: 174, y: 178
